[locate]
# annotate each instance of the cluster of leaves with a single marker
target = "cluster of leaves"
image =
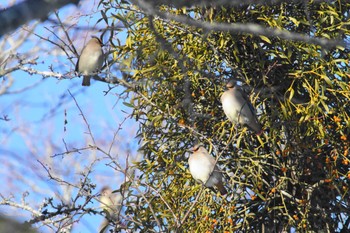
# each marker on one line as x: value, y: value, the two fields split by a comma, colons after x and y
x: 294, y: 176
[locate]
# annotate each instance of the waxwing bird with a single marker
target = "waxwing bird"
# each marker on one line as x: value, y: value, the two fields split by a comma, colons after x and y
x: 111, y: 203
x: 90, y: 60
x: 204, y: 169
x: 238, y: 108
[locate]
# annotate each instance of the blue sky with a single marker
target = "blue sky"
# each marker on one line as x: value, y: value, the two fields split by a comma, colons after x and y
x: 36, y: 129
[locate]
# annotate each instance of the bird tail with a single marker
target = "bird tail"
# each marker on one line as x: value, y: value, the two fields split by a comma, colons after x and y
x: 86, y: 80
x: 256, y: 127
x: 259, y: 132
x: 221, y: 188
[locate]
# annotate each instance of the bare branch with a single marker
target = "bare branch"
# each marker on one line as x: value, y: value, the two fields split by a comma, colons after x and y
x: 22, y: 13
x: 249, y: 28
x: 180, y: 4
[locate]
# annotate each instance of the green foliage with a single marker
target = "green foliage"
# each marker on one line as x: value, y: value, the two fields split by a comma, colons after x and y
x: 297, y: 173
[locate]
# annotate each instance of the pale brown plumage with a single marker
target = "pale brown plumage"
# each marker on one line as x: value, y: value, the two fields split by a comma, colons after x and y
x: 204, y: 169
x: 90, y: 60
x: 239, y: 109
x: 111, y: 203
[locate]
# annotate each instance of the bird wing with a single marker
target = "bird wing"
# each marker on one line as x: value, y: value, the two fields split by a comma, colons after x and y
x: 246, y: 103
x: 249, y: 114
x: 77, y: 65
